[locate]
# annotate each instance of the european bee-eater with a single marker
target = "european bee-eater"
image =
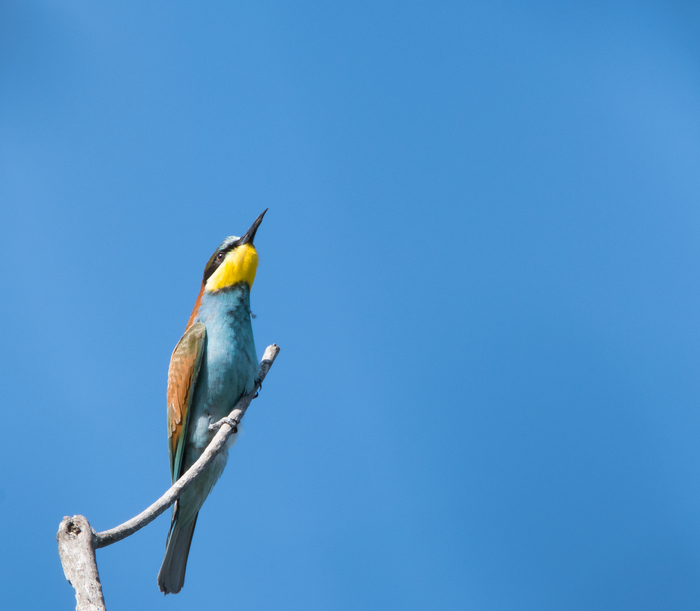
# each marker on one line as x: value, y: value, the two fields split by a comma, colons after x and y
x: 212, y: 366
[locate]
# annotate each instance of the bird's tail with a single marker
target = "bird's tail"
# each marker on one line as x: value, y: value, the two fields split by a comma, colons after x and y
x: 171, y: 576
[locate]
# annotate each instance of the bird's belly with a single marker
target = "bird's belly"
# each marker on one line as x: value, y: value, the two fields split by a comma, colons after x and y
x: 225, y: 375
x: 193, y: 498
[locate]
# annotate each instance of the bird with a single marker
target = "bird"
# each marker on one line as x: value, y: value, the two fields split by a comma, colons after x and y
x: 213, y: 365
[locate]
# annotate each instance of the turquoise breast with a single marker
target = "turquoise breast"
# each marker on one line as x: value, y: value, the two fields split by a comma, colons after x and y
x: 230, y: 363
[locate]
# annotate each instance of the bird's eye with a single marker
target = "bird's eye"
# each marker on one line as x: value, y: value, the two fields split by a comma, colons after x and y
x: 220, y: 256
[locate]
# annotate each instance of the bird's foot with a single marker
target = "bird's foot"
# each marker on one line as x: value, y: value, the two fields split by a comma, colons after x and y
x: 232, y: 422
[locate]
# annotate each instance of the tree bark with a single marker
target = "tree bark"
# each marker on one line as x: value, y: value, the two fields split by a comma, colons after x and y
x: 76, y: 547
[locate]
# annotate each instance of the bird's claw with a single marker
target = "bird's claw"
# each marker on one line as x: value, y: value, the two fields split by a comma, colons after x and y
x: 215, y: 426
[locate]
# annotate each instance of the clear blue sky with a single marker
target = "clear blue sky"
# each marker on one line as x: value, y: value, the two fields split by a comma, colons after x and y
x: 481, y: 261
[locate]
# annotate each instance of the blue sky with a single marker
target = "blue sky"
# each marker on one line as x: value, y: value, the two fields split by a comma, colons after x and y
x: 481, y: 262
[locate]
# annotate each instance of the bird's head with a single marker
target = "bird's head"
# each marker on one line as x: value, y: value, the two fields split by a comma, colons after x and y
x: 235, y: 261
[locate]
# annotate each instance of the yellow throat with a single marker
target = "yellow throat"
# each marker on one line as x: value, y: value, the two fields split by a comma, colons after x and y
x: 239, y: 265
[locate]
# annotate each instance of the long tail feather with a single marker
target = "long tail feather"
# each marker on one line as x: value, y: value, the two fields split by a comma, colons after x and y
x: 171, y: 576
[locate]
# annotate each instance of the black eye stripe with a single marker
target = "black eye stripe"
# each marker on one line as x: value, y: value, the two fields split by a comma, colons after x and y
x: 215, y: 261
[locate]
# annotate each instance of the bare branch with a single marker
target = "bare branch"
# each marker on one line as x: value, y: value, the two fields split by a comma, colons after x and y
x: 129, y: 527
x: 76, y: 547
x: 77, y: 541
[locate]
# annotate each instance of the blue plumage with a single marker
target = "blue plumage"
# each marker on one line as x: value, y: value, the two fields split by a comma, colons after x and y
x: 213, y: 365
x: 228, y: 372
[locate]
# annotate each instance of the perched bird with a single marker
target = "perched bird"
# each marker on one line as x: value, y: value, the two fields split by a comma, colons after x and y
x: 212, y: 366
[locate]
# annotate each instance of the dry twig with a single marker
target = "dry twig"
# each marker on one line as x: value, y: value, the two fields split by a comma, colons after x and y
x: 77, y: 541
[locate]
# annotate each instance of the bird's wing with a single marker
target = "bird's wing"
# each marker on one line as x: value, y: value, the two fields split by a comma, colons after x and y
x: 182, y: 378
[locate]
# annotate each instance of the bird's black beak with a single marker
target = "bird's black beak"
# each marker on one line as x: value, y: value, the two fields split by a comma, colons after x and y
x: 250, y: 234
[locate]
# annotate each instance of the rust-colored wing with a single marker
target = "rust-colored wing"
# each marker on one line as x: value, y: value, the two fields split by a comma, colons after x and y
x: 182, y: 378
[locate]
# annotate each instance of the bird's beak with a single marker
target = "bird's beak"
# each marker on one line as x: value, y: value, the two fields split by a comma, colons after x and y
x: 250, y: 234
